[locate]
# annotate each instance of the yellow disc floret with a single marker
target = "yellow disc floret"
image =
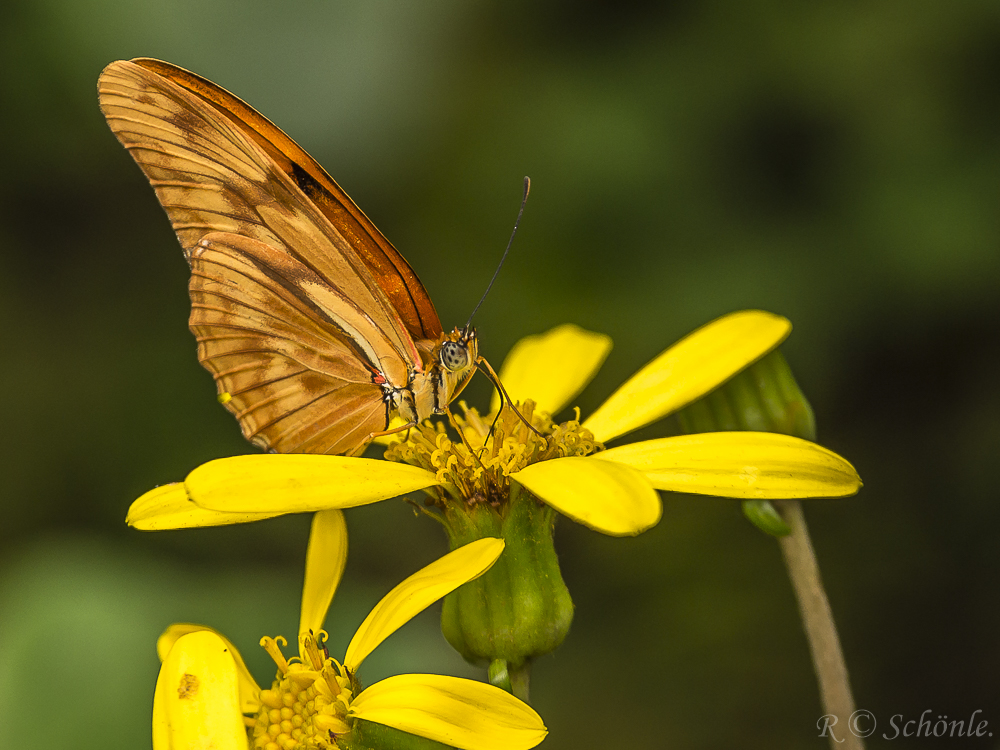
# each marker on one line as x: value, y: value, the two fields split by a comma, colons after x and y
x: 477, y: 467
x: 306, y: 706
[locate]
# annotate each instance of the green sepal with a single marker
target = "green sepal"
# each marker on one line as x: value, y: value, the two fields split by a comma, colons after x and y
x: 367, y: 735
x: 764, y: 516
x: 520, y: 608
x: 765, y: 398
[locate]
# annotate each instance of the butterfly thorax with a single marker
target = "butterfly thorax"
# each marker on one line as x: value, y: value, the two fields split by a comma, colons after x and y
x: 448, y: 365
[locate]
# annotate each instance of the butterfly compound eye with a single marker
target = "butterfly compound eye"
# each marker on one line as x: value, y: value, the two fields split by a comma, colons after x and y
x: 454, y: 356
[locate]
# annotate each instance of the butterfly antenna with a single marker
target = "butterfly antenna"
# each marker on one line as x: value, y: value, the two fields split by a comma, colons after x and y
x: 527, y: 189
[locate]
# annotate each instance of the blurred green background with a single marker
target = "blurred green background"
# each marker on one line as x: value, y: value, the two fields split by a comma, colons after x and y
x: 838, y: 163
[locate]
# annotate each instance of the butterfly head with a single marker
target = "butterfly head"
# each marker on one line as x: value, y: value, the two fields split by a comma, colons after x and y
x: 459, y: 350
x: 457, y: 357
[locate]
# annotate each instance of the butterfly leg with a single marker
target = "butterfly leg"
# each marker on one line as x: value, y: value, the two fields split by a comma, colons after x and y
x: 408, y: 426
x: 487, y: 475
x: 504, y: 396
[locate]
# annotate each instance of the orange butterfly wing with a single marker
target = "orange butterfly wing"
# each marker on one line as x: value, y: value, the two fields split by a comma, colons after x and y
x: 393, y: 274
x: 292, y: 320
x: 293, y: 387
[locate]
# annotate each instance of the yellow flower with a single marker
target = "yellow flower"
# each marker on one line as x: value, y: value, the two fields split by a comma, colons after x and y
x: 204, y: 689
x: 744, y: 465
x: 612, y: 491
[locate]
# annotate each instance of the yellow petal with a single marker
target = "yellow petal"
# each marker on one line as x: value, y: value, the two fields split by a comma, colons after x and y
x: 460, y: 713
x: 196, y: 703
x: 169, y: 507
x: 249, y: 689
x: 418, y: 592
x: 325, y: 559
x: 688, y: 370
x: 740, y: 464
x: 605, y: 496
x: 553, y: 367
x: 300, y: 483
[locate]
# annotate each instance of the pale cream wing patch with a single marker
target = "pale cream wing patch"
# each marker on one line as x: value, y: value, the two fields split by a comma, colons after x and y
x: 294, y: 384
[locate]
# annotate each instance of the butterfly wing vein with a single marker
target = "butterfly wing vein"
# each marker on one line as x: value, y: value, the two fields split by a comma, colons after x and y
x: 295, y: 324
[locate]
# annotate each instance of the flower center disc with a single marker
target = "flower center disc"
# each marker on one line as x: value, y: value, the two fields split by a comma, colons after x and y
x: 482, y: 473
x: 306, y: 706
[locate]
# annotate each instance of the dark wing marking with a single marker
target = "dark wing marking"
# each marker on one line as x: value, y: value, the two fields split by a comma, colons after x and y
x: 293, y: 386
x: 393, y: 274
x: 210, y: 175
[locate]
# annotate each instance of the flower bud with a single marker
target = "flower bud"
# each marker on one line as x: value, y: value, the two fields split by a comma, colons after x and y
x: 764, y: 397
x: 520, y: 608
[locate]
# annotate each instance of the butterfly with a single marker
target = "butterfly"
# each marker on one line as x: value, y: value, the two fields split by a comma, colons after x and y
x: 316, y: 330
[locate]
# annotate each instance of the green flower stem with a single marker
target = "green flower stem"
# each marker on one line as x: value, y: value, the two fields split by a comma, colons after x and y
x: 498, y: 676
x: 766, y: 397
x: 520, y: 677
x: 817, y: 619
x: 514, y: 681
